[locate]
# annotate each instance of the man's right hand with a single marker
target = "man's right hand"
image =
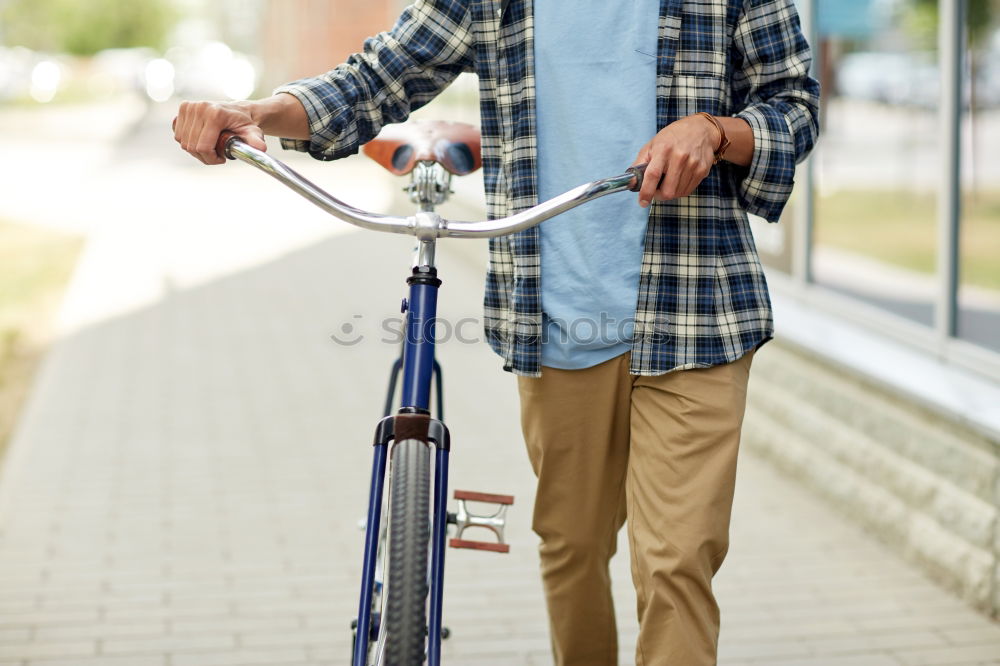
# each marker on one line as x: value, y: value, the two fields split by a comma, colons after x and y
x: 198, y: 125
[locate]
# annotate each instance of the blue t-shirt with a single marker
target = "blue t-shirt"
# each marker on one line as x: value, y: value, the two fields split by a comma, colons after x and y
x: 595, y: 81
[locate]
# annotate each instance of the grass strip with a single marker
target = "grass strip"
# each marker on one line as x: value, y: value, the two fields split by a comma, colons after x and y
x: 35, y: 267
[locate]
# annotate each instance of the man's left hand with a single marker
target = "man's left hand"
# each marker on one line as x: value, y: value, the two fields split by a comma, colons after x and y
x: 683, y: 153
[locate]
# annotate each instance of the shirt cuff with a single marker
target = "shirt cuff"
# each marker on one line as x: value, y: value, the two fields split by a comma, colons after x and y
x: 319, y: 148
x: 768, y: 181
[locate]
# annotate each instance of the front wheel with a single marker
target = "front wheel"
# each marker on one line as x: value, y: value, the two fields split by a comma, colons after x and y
x: 409, y: 541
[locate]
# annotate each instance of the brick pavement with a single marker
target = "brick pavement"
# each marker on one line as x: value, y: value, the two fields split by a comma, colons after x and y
x: 186, y: 481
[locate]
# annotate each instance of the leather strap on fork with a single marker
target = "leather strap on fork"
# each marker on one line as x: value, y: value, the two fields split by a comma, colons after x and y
x: 412, y: 426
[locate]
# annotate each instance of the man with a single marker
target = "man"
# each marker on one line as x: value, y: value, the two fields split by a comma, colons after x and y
x: 633, y: 352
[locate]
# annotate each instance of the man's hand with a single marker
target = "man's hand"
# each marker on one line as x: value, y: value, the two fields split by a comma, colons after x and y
x: 683, y: 153
x: 198, y: 125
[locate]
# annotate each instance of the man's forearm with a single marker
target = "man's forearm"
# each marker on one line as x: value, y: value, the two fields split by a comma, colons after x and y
x: 280, y: 115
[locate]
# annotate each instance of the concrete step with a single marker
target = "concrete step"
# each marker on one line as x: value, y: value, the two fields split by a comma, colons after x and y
x: 923, y: 486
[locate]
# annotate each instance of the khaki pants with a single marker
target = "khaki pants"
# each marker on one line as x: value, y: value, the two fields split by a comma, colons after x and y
x: 661, y: 450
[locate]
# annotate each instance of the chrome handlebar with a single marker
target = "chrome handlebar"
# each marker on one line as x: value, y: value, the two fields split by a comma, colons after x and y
x: 428, y: 225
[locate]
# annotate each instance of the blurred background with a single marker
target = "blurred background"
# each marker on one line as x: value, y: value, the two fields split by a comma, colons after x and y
x: 87, y: 92
x: 881, y: 177
x: 161, y: 337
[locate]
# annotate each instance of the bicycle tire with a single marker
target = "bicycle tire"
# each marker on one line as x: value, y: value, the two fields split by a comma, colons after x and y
x: 409, y: 543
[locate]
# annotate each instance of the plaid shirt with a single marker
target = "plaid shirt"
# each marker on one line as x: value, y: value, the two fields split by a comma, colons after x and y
x: 702, y: 298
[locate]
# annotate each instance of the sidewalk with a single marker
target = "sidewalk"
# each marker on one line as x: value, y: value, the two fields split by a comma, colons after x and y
x: 186, y: 482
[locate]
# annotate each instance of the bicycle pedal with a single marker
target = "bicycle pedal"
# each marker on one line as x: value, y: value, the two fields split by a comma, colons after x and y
x: 494, y: 522
x: 480, y: 545
x: 487, y: 498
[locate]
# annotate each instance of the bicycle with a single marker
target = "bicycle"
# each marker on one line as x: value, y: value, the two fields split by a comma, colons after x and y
x: 410, y: 548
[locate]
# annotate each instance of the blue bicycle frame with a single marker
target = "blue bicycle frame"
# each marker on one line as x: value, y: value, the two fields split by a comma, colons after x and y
x: 418, y: 368
x: 413, y: 419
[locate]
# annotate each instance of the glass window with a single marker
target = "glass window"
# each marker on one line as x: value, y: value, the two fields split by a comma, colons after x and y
x: 877, y: 164
x: 979, y: 258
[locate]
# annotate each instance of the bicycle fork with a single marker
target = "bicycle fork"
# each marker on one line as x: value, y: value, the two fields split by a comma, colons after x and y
x: 413, y: 421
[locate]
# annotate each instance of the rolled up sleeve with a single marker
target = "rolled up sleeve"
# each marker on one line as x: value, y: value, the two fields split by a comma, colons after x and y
x: 397, y: 72
x: 774, y: 93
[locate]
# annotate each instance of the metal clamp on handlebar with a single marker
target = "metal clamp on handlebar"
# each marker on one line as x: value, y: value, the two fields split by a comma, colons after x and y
x: 224, y: 144
x: 639, y: 171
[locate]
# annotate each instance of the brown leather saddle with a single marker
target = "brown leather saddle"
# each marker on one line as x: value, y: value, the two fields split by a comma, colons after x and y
x: 455, y: 146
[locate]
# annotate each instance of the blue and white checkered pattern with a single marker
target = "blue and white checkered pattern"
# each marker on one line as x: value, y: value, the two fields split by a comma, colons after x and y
x: 703, y: 299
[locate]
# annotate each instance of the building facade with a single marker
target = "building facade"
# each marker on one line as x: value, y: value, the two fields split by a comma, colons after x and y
x: 882, y: 389
x: 301, y: 38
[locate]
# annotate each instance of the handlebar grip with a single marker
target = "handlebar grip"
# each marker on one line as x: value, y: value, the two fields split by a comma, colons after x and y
x: 639, y: 170
x: 224, y: 143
